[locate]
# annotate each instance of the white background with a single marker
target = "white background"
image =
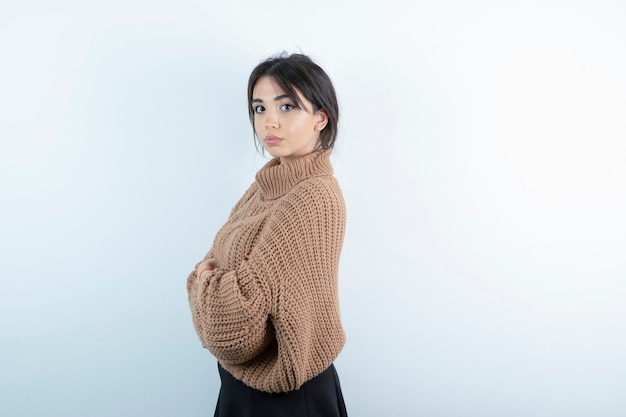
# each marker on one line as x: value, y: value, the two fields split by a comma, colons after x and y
x: 481, y: 154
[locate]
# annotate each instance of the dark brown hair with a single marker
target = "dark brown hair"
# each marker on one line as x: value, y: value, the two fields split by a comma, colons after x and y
x: 298, y: 71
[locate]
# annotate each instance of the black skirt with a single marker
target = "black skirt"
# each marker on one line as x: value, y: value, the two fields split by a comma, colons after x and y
x: 318, y: 397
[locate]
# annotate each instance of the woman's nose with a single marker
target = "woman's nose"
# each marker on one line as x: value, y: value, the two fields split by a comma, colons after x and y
x: 271, y: 121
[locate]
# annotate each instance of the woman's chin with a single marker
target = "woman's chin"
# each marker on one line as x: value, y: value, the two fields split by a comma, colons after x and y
x: 272, y: 151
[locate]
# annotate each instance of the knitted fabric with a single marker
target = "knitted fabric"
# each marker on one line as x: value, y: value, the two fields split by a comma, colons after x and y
x: 273, y: 320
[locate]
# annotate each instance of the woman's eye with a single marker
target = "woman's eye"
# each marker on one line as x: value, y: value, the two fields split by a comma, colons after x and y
x: 286, y: 107
x: 259, y: 109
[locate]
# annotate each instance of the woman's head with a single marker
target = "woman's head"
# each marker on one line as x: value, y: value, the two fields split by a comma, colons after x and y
x: 305, y: 85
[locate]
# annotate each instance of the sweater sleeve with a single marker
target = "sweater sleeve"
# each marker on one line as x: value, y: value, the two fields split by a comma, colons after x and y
x: 304, y: 253
x: 299, y: 256
x: 230, y: 310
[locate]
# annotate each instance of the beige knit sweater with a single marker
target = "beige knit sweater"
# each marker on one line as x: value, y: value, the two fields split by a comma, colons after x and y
x: 273, y: 320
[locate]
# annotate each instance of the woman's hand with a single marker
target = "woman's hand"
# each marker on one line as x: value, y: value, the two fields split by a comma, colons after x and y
x: 205, y: 266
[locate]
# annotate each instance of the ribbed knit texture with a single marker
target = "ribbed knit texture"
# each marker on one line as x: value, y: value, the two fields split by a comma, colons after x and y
x: 273, y: 321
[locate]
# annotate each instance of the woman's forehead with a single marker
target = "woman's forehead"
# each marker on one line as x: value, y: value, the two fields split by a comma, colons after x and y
x: 267, y: 86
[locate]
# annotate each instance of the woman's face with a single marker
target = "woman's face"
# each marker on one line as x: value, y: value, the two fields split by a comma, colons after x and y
x: 284, y: 131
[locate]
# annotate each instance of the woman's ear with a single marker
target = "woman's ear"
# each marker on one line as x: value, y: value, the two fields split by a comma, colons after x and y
x: 322, y: 120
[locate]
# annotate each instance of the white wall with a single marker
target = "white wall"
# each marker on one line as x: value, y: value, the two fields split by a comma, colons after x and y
x: 481, y: 155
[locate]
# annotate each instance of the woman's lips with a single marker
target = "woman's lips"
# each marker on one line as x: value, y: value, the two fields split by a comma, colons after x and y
x: 272, y: 140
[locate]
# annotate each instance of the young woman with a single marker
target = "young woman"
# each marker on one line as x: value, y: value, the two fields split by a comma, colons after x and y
x: 264, y: 299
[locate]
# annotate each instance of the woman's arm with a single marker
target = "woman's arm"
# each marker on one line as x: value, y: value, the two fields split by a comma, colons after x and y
x: 301, y: 257
x: 230, y: 311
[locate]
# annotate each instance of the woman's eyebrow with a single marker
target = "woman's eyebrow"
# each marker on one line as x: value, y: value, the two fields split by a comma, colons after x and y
x: 277, y: 98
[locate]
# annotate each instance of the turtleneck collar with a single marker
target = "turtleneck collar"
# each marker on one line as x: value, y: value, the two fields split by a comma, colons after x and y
x: 276, y: 178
